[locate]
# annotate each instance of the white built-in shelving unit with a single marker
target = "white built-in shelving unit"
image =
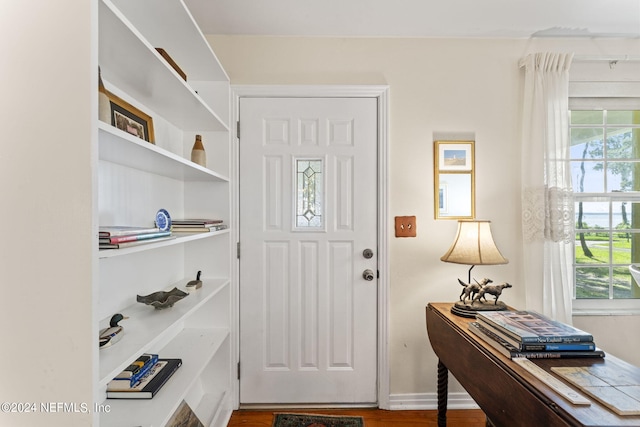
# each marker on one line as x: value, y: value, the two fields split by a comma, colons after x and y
x: 135, y: 179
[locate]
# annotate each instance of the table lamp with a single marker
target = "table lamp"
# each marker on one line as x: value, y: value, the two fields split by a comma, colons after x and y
x: 474, y: 245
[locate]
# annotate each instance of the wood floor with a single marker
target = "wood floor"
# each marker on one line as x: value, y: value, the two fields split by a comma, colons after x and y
x: 372, y: 417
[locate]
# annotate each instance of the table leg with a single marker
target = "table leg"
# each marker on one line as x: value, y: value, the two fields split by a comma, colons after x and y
x: 443, y: 384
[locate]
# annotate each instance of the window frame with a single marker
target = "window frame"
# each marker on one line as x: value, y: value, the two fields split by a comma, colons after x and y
x: 603, y: 306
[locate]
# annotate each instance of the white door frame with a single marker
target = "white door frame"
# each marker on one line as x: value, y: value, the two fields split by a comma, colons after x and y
x: 381, y: 92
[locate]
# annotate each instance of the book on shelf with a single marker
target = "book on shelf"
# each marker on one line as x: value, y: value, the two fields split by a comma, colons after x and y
x: 147, y: 386
x: 197, y: 222
x: 124, y: 230
x: 530, y: 327
x: 134, y: 237
x: 134, y: 243
x: 184, y: 417
x: 117, y: 384
x: 138, y: 369
x: 198, y: 229
x: 503, y: 346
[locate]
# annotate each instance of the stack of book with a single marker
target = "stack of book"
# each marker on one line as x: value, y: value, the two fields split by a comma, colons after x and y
x: 118, y: 237
x: 197, y: 225
x: 143, y: 378
x: 533, y: 335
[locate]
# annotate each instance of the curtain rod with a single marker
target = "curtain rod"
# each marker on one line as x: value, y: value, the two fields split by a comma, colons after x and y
x: 612, y: 58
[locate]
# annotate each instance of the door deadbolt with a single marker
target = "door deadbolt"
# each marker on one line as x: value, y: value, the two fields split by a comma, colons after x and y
x: 368, y: 275
x: 367, y: 253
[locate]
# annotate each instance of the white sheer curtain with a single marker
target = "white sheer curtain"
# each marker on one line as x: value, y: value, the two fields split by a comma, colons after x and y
x: 547, y: 205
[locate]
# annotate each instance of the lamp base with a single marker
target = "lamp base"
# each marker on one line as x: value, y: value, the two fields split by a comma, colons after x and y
x: 469, y: 310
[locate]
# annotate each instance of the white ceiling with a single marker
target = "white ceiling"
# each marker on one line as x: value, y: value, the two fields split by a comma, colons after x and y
x: 420, y: 18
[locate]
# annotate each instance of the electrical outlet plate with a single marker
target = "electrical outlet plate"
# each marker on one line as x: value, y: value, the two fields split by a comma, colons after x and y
x: 405, y: 226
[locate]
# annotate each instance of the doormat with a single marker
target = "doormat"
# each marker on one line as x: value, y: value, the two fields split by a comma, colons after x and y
x: 310, y: 420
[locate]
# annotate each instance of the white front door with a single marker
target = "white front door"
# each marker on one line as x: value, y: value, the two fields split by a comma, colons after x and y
x: 308, y: 317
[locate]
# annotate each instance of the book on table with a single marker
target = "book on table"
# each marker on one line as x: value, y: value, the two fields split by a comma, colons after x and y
x: 543, y: 346
x: 148, y: 385
x: 530, y: 327
x: 497, y: 341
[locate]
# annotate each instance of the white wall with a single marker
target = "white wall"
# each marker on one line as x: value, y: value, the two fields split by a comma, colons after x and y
x: 47, y: 81
x: 438, y: 88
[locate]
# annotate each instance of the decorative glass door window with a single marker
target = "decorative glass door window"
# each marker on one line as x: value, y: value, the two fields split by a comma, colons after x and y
x: 309, y: 194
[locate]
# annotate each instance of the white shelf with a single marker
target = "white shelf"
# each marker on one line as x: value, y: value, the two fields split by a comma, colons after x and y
x: 203, y: 345
x: 134, y: 174
x: 168, y: 24
x: 147, y: 326
x: 180, y: 239
x: 119, y: 147
x: 129, y: 62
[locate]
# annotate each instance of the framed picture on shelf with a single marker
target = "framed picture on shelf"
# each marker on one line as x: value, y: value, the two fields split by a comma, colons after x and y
x: 130, y: 119
x: 184, y: 417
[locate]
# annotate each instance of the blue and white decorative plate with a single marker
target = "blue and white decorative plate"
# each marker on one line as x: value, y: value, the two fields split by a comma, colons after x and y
x: 163, y: 220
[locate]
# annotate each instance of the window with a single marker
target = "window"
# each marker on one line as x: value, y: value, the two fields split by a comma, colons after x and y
x: 310, y: 194
x: 605, y: 168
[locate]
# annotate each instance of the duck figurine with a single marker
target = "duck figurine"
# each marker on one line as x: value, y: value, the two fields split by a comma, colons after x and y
x: 195, y: 284
x: 112, y: 334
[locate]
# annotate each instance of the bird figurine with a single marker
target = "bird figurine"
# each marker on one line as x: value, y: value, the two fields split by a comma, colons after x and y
x: 195, y: 284
x: 112, y: 334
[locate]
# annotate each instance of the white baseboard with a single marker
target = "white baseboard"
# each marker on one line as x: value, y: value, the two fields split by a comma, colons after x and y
x: 429, y: 401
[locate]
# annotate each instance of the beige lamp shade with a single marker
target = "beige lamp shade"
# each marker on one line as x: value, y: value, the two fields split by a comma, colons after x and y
x: 474, y: 245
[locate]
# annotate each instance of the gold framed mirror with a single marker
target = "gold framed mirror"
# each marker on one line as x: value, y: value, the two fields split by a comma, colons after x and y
x: 454, y: 180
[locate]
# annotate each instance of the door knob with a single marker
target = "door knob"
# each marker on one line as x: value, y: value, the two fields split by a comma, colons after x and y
x: 368, y: 275
x: 367, y: 253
